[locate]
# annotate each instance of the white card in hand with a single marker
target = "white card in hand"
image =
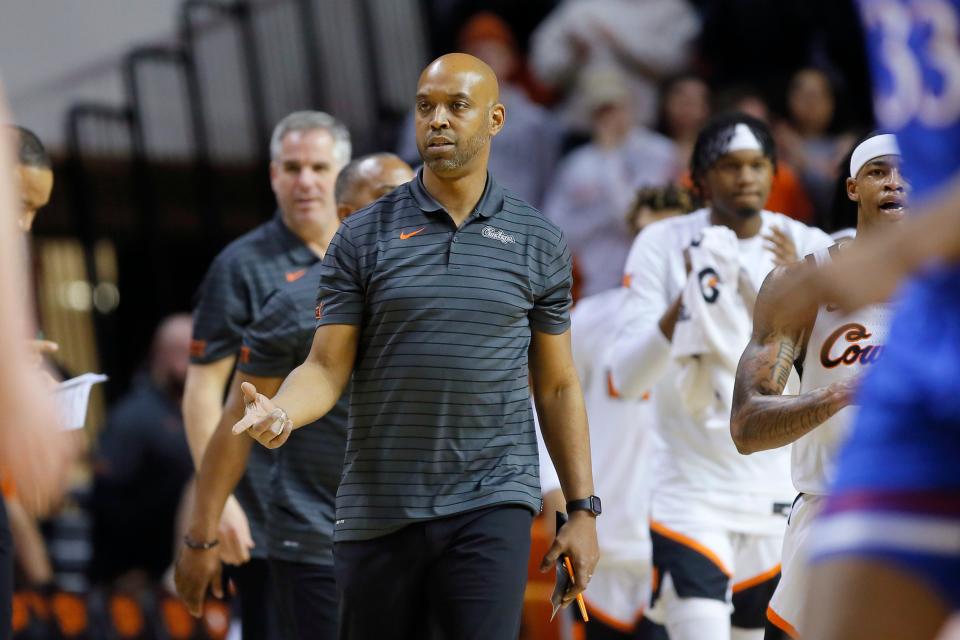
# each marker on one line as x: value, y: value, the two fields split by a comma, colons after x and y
x: 73, y: 396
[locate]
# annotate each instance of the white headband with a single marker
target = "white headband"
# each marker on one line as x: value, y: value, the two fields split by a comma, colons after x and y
x: 884, y: 144
x: 743, y: 140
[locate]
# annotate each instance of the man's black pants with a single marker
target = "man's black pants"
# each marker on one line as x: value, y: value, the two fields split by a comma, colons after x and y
x: 258, y: 601
x: 308, y: 599
x: 460, y: 577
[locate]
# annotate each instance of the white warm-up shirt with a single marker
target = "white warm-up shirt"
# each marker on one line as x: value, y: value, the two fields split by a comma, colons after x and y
x: 697, y: 463
x: 621, y: 435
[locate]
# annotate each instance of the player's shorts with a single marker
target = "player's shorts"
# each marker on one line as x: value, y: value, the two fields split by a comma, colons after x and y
x: 709, y: 561
x: 897, y: 492
x: 619, y: 593
x: 915, y: 532
x: 788, y: 600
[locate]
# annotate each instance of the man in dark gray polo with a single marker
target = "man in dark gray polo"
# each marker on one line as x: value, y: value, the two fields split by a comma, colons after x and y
x: 308, y: 148
x: 437, y: 300
x: 307, y: 472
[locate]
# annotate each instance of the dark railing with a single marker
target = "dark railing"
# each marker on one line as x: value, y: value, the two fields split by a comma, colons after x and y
x: 103, y: 132
x: 181, y: 169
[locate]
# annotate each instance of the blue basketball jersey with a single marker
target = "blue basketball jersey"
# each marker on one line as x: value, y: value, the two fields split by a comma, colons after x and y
x: 896, y: 497
x: 913, y: 48
x: 907, y: 432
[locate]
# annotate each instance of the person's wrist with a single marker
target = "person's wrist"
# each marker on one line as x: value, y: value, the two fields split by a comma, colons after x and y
x: 202, y: 530
x: 841, y: 395
x: 200, y: 544
x: 591, y: 505
x: 582, y: 515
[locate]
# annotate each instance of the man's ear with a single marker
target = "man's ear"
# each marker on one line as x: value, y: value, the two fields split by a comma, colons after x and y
x: 498, y: 116
x: 852, y: 192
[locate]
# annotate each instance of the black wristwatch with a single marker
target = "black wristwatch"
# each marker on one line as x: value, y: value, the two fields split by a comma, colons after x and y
x: 591, y: 504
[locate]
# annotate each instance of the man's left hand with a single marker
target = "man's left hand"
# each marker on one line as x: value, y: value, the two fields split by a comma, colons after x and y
x: 578, y: 540
x: 781, y: 246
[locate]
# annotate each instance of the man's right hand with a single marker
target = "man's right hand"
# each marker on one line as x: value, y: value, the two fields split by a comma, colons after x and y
x: 262, y: 420
x: 234, y: 534
x: 846, y: 390
x: 197, y: 570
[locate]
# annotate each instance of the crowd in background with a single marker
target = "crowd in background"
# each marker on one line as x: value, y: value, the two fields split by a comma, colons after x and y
x: 607, y: 96
x: 604, y: 99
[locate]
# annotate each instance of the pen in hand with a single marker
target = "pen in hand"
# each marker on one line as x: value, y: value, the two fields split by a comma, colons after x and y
x: 573, y: 579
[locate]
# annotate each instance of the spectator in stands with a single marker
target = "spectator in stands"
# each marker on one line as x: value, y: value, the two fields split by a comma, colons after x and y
x: 142, y: 465
x: 595, y: 183
x: 646, y: 41
x: 684, y: 109
x: 526, y: 152
x: 807, y: 140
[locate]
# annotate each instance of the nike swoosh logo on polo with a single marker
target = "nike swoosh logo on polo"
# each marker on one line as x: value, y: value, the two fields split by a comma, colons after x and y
x: 404, y: 236
x: 293, y: 276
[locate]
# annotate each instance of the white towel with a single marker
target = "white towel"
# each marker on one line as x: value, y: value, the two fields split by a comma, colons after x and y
x: 714, y: 326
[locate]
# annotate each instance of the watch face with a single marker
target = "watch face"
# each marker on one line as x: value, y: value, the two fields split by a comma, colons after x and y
x: 595, y: 505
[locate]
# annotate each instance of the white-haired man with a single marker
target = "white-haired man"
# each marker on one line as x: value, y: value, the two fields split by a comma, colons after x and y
x: 308, y: 149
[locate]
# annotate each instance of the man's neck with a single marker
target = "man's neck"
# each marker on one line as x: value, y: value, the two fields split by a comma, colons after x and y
x: 458, y: 195
x: 316, y: 236
x: 867, y: 229
x: 743, y: 227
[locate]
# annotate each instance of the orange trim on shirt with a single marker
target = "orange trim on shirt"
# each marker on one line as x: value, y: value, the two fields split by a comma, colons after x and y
x: 611, y: 621
x: 611, y: 389
x: 627, y: 279
x: 693, y: 544
x: 198, y: 348
x: 781, y: 624
x: 755, y: 580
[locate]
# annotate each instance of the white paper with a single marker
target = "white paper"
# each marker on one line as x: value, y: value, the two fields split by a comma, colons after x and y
x: 73, y: 396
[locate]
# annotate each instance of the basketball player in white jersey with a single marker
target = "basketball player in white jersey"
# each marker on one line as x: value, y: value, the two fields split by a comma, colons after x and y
x: 830, y: 351
x: 717, y: 519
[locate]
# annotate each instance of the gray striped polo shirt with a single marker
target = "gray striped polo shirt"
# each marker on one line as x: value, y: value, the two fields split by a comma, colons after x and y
x: 230, y: 298
x: 440, y: 415
x: 308, y: 467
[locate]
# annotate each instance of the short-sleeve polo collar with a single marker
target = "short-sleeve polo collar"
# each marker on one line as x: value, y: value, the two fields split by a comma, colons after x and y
x: 491, y: 202
x: 290, y: 242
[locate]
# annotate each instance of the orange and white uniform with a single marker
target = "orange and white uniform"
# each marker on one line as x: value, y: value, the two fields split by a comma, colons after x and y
x: 840, y: 347
x: 720, y: 514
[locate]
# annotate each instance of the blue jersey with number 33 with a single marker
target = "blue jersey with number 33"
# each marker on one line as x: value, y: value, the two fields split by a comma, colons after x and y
x: 907, y: 433
x: 914, y: 52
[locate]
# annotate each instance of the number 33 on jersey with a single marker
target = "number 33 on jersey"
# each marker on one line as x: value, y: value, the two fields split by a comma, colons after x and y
x: 914, y: 52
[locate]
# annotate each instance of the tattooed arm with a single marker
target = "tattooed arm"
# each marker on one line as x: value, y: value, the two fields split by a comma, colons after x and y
x: 762, y: 418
